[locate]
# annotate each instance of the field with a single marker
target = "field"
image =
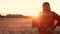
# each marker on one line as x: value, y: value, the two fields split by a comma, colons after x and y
x: 19, y: 26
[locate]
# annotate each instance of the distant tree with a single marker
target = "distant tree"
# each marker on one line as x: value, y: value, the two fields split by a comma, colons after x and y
x: 0, y: 15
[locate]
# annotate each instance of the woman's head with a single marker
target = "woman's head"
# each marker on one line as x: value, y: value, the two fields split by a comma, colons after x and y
x: 46, y: 7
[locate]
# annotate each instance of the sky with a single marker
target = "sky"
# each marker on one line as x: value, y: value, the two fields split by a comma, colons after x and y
x: 27, y: 7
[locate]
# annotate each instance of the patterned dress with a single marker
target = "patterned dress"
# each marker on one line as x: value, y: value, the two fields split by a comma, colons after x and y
x: 46, y: 22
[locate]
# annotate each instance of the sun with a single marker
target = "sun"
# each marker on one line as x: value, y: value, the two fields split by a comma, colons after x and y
x: 32, y: 13
x: 35, y: 14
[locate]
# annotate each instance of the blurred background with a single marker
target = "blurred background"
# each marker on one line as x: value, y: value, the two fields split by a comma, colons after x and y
x: 16, y: 15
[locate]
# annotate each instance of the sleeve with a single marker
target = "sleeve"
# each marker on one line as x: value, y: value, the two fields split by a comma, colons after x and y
x: 58, y: 24
x: 56, y: 16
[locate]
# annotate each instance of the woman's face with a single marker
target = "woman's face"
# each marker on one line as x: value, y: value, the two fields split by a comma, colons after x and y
x: 46, y: 7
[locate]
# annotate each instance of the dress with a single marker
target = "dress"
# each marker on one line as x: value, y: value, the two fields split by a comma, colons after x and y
x: 45, y: 22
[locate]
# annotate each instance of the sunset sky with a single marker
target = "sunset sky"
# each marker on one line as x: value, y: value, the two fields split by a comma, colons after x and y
x: 27, y: 7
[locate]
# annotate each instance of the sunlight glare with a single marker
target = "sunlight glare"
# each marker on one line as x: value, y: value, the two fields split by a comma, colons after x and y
x: 35, y: 14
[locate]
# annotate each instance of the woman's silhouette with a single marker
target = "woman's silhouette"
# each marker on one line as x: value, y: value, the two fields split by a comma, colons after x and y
x: 46, y: 21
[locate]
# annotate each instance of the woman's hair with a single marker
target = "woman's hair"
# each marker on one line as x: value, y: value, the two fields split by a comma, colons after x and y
x: 46, y: 3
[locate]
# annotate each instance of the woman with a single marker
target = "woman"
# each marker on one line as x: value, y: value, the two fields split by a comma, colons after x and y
x: 46, y: 20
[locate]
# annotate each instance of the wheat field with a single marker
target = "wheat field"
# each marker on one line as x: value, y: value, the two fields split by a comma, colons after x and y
x: 19, y: 26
